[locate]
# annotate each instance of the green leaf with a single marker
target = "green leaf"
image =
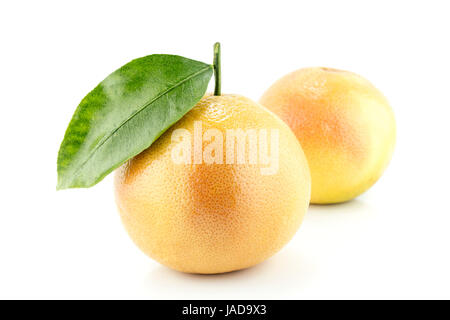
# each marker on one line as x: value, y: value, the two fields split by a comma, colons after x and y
x: 126, y: 113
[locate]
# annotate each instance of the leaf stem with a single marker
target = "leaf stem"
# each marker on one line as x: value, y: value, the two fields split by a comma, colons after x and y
x: 217, y: 73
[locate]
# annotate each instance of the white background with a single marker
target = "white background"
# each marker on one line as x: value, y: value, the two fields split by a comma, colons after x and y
x: 392, y: 242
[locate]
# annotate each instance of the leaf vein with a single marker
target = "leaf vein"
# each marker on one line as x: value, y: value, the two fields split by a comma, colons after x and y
x: 146, y: 105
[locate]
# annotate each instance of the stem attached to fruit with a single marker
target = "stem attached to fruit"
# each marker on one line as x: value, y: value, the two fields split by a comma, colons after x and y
x: 217, y: 75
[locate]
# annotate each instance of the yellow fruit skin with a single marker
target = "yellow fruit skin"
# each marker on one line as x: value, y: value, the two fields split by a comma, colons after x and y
x: 215, y: 218
x: 344, y: 124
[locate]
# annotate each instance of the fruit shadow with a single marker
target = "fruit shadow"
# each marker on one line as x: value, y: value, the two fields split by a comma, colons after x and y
x: 337, y: 225
x: 285, y: 272
x: 353, y: 208
x: 291, y: 270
